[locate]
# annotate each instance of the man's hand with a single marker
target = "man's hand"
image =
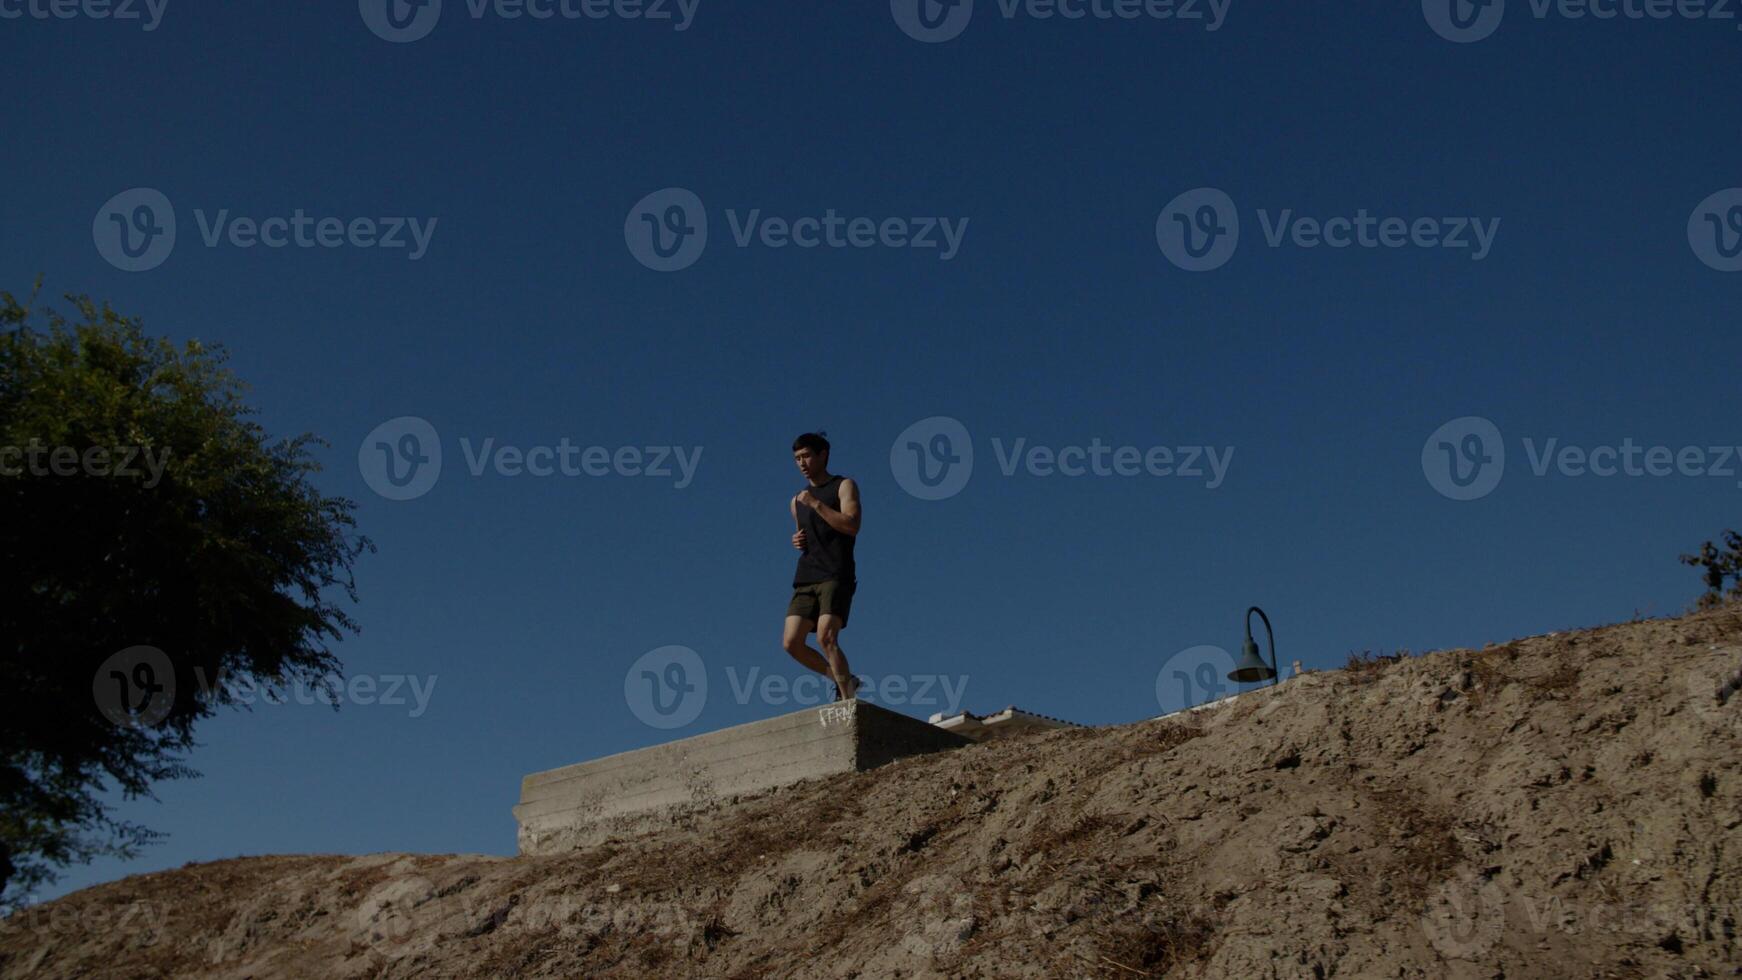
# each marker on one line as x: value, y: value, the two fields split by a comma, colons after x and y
x: 798, y: 540
x: 807, y: 499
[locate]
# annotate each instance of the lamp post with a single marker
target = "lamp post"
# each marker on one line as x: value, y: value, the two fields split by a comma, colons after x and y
x: 1252, y: 666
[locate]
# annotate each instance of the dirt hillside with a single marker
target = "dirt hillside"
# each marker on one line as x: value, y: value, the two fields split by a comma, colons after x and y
x: 1561, y: 806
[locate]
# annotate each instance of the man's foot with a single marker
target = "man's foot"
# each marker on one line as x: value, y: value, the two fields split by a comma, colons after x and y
x: 848, y: 691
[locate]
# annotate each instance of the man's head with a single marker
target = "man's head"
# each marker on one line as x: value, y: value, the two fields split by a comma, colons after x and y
x: 811, y: 452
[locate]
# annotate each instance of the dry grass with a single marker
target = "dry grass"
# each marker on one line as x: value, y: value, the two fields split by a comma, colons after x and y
x: 1155, y: 950
x: 1559, y: 680
x: 1366, y: 666
x: 1084, y: 828
x: 1426, y: 840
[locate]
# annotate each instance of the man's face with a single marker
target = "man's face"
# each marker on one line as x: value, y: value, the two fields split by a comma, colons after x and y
x: 809, y: 463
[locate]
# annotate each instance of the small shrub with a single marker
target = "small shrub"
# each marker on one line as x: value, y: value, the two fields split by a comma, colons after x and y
x: 1366, y: 666
x: 1154, y: 950
x: 1717, y: 566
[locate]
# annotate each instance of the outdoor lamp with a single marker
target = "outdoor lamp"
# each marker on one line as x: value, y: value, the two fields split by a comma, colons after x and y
x: 1252, y: 666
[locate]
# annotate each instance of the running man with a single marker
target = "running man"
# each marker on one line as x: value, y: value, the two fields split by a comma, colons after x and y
x: 827, y: 515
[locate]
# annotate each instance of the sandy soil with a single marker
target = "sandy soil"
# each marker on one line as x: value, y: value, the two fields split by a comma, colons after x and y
x: 1560, y: 806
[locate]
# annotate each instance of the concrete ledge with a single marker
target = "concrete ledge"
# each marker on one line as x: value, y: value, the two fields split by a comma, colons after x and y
x: 582, y: 804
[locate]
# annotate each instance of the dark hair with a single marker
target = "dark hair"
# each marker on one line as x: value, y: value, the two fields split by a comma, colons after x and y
x: 812, y: 441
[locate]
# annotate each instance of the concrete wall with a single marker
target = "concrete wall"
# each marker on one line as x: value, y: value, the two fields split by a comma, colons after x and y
x: 582, y: 804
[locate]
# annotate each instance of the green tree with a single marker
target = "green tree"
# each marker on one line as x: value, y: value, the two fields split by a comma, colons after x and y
x: 143, y: 508
x: 1716, y: 565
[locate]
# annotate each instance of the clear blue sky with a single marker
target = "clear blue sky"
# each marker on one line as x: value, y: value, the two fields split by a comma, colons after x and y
x: 1059, y: 321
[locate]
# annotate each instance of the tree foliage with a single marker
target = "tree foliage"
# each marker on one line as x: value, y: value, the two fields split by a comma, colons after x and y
x: 229, y: 561
x: 1718, y: 565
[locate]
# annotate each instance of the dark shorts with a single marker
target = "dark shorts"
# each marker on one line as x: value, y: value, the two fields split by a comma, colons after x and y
x: 814, y: 600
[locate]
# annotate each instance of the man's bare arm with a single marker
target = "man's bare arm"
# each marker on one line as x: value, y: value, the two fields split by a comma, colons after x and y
x: 845, y: 520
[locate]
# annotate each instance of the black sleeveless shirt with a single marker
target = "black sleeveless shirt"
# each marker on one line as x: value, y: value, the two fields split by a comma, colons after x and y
x: 828, y: 554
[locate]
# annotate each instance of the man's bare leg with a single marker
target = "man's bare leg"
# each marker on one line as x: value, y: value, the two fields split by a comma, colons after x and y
x: 793, y: 642
x: 828, y: 634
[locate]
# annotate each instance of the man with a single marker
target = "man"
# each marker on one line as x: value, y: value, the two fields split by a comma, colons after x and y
x: 827, y: 514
